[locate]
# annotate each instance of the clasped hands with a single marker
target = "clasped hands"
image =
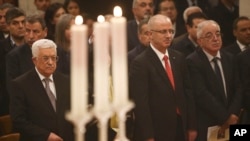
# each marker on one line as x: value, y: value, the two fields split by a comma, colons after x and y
x: 233, y: 119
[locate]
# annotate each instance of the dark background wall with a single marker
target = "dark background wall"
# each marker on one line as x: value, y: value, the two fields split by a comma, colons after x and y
x: 102, y: 7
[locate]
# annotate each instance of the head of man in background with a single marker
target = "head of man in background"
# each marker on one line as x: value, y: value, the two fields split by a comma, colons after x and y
x: 35, y: 29
x: 142, y: 9
x: 15, y: 19
x: 3, y: 25
x: 42, y: 4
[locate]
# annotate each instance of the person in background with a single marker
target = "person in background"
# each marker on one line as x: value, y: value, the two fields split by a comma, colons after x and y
x: 38, y: 113
x: 224, y: 14
x: 168, y: 8
x: 244, y: 73
x: 4, y: 32
x: 41, y: 7
x: 188, y: 43
x: 160, y: 87
x: 217, y: 89
x: 241, y: 30
x: 188, y: 11
x: 143, y: 35
x: 15, y: 19
x: 52, y: 14
x: 18, y: 60
x: 72, y: 7
x: 62, y: 39
x: 141, y: 9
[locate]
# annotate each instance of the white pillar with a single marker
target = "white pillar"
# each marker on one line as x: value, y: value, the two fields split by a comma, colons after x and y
x: 28, y: 5
x: 244, y: 8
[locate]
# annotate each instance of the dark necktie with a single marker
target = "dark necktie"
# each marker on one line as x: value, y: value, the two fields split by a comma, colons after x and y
x: 49, y: 93
x: 169, y: 71
x: 218, y: 73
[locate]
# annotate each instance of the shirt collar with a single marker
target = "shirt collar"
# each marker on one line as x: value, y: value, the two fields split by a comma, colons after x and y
x: 42, y: 77
x: 158, y: 53
x: 211, y: 57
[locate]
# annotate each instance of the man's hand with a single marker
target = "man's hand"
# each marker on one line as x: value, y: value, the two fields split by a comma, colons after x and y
x: 54, y: 137
x: 191, y: 135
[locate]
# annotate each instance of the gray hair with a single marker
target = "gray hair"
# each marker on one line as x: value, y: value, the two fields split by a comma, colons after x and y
x: 203, y: 24
x: 134, y: 3
x: 42, y: 43
x: 6, y: 5
x: 188, y: 11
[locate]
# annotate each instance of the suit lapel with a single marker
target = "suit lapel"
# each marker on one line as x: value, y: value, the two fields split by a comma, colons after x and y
x: 156, y: 62
x: 40, y: 90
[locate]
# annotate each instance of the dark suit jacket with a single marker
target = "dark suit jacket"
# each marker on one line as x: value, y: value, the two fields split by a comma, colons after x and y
x: 244, y: 72
x: 212, y: 106
x: 155, y: 100
x: 132, y: 35
x: 135, y: 52
x: 233, y: 48
x: 225, y: 18
x: 5, y: 48
x: 183, y: 44
x: 31, y: 111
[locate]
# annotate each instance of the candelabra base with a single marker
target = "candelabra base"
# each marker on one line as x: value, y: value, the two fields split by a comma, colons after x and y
x: 121, y: 111
x: 79, y: 122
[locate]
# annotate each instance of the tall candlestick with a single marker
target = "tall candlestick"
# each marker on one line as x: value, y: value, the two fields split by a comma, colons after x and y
x: 119, y: 57
x: 101, y: 64
x: 79, y: 67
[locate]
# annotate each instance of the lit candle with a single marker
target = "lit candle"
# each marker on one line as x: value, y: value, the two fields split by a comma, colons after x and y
x: 119, y: 57
x: 101, y: 64
x: 79, y: 67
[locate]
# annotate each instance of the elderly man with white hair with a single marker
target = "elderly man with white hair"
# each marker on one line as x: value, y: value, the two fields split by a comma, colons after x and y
x: 40, y: 97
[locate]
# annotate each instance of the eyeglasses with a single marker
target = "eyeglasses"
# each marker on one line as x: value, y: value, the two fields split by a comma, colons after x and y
x: 47, y: 58
x: 211, y: 35
x: 170, y: 31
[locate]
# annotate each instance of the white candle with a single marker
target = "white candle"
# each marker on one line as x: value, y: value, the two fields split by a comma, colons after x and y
x: 101, y: 64
x: 79, y: 67
x: 119, y: 57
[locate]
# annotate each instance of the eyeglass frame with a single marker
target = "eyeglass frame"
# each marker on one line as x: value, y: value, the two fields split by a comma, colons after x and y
x: 45, y: 59
x: 170, y: 31
x: 211, y: 35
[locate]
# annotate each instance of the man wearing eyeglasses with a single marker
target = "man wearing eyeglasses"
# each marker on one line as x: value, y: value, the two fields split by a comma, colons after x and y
x: 159, y: 86
x: 40, y: 98
x: 141, y: 9
x: 216, y: 87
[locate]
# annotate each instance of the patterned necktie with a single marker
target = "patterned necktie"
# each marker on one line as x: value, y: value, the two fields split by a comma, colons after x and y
x: 169, y: 71
x: 51, y: 96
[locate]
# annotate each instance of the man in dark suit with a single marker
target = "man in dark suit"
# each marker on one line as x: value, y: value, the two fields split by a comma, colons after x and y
x: 244, y: 72
x: 241, y: 30
x: 18, y: 61
x: 37, y: 116
x: 144, y: 40
x: 225, y: 13
x: 168, y: 8
x: 15, y: 18
x: 141, y: 9
x: 217, y: 90
x: 163, y: 102
x: 187, y: 43
x: 4, y: 32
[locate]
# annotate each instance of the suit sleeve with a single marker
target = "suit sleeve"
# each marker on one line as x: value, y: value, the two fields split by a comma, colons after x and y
x: 203, y: 97
x: 138, y: 83
x: 18, y: 112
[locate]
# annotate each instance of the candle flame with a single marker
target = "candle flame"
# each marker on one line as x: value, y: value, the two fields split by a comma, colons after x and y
x: 78, y: 20
x: 100, y: 19
x: 117, y: 11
